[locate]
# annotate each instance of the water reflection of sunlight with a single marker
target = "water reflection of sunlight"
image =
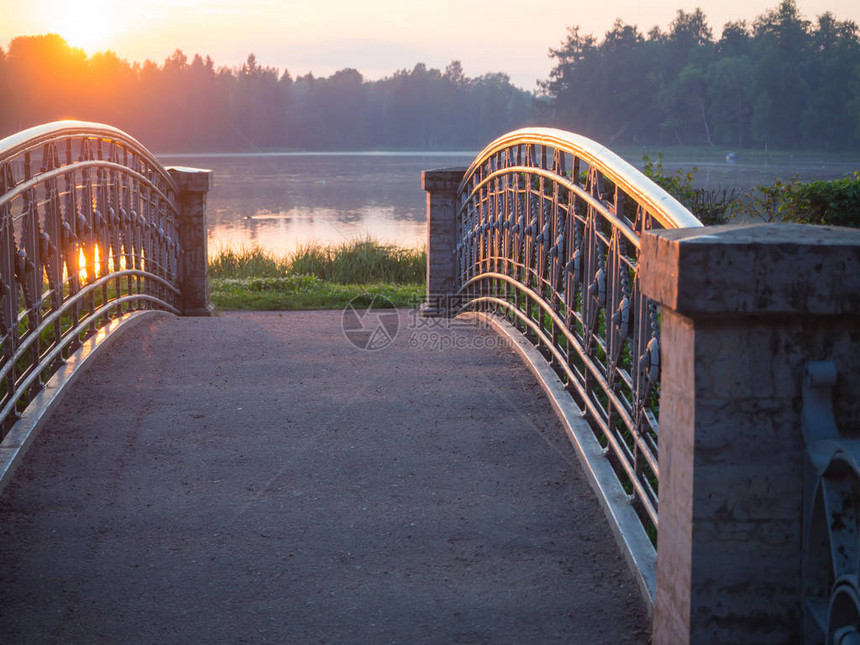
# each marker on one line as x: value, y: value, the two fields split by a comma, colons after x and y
x: 282, y: 232
x: 279, y: 202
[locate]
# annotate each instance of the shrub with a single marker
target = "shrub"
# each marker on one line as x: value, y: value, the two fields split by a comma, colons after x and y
x: 833, y: 203
x: 710, y: 206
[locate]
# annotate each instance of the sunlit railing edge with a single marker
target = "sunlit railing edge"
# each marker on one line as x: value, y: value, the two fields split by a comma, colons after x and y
x: 669, y: 211
x: 37, y: 136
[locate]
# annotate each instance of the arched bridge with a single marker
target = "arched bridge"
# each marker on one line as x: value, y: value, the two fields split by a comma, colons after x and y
x: 548, y: 236
x: 647, y: 329
x: 92, y: 229
x: 257, y: 477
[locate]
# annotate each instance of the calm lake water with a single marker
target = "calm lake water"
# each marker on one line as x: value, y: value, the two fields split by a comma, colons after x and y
x: 281, y: 201
x: 751, y: 167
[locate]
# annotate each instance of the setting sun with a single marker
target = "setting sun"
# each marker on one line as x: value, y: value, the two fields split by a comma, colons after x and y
x: 88, y: 26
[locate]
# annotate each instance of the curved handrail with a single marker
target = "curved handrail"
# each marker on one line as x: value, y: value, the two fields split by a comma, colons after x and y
x: 548, y: 235
x: 34, y: 138
x: 87, y: 234
x: 670, y: 213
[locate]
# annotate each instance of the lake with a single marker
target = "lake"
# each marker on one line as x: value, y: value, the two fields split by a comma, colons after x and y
x: 280, y: 201
x: 751, y: 167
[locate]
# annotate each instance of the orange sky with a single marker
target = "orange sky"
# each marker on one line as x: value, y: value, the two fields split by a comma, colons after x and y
x: 377, y: 37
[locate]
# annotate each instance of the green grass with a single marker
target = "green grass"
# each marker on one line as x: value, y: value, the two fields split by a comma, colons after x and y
x: 306, y: 292
x: 317, y: 277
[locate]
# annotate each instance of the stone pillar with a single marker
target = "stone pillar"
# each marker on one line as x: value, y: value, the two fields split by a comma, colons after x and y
x: 441, y: 186
x: 744, y: 309
x: 193, y: 184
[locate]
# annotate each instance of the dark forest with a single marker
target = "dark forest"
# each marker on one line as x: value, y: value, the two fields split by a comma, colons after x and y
x: 782, y: 81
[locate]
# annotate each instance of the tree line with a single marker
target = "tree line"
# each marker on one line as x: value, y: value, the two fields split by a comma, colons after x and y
x: 780, y: 81
x: 192, y: 105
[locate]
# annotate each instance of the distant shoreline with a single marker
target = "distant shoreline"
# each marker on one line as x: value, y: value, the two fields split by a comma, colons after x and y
x: 632, y: 153
x: 326, y: 153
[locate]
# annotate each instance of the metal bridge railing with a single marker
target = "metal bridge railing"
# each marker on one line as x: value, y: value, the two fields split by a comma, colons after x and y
x: 557, y: 241
x: 831, y: 516
x: 88, y: 233
x: 548, y: 225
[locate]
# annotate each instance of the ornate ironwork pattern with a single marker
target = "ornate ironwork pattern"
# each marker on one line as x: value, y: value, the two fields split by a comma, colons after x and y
x: 87, y: 234
x: 831, y: 517
x: 548, y: 237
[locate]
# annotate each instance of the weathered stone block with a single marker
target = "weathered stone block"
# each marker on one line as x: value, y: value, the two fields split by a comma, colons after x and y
x: 744, y: 309
x: 193, y: 184
x: 441, y: 186
x: 194, y: 180
x: 760, y: 268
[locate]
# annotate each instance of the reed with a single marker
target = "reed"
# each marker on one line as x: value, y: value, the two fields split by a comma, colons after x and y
x: 360, y: 261
x: 246, y: 262
x: 357, y: 262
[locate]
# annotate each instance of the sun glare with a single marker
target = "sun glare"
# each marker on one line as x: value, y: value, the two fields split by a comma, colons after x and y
x: 88, y: 26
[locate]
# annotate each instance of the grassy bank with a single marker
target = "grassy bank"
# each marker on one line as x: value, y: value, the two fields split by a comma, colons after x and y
x: 317, y: 277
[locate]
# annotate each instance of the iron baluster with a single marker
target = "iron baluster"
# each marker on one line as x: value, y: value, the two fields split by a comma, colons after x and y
x: 831, y: 516
x: 76, y: 205
x: 564, y: 270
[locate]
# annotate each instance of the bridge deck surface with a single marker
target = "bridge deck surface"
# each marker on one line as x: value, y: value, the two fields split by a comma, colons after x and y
x: 254, y: 478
